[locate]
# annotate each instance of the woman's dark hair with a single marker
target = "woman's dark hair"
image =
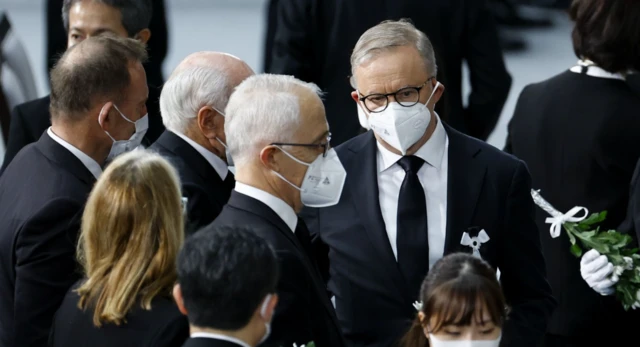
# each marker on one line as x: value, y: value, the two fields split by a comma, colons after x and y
x: 456, y: 291
x: 607, y: 32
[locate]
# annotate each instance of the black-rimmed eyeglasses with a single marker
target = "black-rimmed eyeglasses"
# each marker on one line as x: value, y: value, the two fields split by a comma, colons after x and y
x: 407, y: 97
x: 325, y: 146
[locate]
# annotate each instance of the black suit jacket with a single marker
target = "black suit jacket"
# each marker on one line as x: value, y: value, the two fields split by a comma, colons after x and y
x: 304, y: 312
x: 486, y: 189
x: 579, y: 137
x: 42, y: 194
x: 31, y: 119
x: 201, y: 185
x: 313, y: 40
x: 162, y: 326
x: 208, y: 342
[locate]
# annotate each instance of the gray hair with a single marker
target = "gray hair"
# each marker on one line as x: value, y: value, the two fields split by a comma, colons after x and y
x: 388, y: 35
x: 263, y: 109
x: 188, y: 90
x: 136, y: 14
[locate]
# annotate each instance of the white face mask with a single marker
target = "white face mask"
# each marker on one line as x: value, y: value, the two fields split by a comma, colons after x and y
x: 323, y: 181
x: 121, y: 146
x: 263, y: 313
x: 400, y: 126
x: 434, y: 342
x: 227, y: 154
x: 362, y: 117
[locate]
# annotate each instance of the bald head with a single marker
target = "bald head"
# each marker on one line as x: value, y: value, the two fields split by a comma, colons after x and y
x: 235, y: 68
x: 91, y: 72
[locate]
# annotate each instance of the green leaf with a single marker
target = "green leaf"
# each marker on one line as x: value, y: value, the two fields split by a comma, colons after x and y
x: 311, y: 344
x: 593, y: 219
x: 576, y: 250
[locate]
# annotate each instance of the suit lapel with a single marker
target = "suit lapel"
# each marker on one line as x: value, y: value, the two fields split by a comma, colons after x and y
x: 65, y: 159
x: 465, y: 179
x: 363, y: 175
x: 251, y: 205
x: 195, y: 161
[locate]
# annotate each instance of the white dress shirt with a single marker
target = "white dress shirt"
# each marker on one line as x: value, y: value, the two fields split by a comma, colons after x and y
x: 432, y: 176
x: 90, y: 164
x: 220, y: 337
x: 218, y: 164
x: 281, y: 208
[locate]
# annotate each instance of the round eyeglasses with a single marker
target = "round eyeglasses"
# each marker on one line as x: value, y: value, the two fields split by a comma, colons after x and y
x: 407, y: 97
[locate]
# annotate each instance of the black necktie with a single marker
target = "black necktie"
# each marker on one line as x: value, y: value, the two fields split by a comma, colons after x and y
x: 412, y: 232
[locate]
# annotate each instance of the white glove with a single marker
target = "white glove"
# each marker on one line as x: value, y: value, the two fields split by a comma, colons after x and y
x: 596, y: 270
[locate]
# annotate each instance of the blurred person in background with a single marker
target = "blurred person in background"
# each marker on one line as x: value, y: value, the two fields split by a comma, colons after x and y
x: 227, y: 280
x: 192, y: 105
x: 84, y: 19
x: 157, y: 46
x: 98, y: 94
x: 132, y: 231
x: 279, y: 138
x: 313, y: 41
x: 460, y: 300
x: 578, y: 134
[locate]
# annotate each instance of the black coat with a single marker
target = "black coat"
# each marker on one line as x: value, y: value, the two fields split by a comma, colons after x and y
x: 208, y: 342
x: 486, y: 189
x: 31, y: 119
x: 42, y: 196
x: 206, y: 192
x: 578, y: 135
x: 313, y: 40
x: 304, y: 312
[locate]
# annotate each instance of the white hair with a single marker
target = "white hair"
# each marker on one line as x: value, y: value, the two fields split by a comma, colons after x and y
x: 263, y: 109
x: 190, y: 89
x: 388, y: 35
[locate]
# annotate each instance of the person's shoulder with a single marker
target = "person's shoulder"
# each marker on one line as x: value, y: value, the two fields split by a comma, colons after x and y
x: 492, y: 155
x: 355, y: 144
x: 40, y: 105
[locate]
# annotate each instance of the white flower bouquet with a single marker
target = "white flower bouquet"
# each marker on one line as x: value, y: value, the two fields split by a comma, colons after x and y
x: 584, y: 234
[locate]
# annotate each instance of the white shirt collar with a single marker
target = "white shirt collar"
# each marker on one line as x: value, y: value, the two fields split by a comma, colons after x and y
x: 431, y: 152
x: 596, y: 71
x: 281, y: 208
x: 90, y: 164
x: 220, y: 337
x: 218, y: 164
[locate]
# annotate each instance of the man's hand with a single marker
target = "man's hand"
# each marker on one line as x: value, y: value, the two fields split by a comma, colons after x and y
x: 596, y: 270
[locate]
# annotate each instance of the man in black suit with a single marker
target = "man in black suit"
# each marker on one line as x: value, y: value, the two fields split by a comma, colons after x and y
x: 98, y: 94
x: 85, y: 19
x: 227, y: 279
x: 313, y: 40
x: 278, y: 137
x: 417, y: 190
x: 192, y: 104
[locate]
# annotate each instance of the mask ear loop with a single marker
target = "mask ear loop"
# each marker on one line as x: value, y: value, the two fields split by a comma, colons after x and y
x: 433, y: 92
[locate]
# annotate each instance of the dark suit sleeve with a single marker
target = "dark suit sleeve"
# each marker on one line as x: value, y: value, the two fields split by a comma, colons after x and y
x: 490, y: 81
x: 290, y: 323
x: 200, y: 210
x: 522, y: 266
x: 173, y: 334
x: 292, y: 51
x: 631, y: 224
x: 45, y: 269
x: 18, y: 137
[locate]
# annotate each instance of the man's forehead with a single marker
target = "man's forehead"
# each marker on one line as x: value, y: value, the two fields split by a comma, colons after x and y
x: 391, y: 70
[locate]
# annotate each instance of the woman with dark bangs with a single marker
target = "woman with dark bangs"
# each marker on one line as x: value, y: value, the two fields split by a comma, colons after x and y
x: 462, y: 306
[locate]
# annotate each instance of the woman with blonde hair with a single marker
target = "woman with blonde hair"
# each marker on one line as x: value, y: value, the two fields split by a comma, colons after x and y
x: 462, y: 305
x: 132, y: 231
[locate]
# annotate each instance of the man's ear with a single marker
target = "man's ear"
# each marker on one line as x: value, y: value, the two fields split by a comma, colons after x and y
x: 143, y: 35
x: 103, y: 117
x: 267, y: 158
x: 207, y: 122
x: 177, y: 296
x: 271, y: 307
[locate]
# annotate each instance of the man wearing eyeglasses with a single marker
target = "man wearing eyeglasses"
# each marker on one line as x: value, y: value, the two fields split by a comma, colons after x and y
x: 417, y: 190
x: 278, y: 137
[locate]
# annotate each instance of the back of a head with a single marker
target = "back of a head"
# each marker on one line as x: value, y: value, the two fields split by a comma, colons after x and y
x: 92, y: 73
x: 458, y: 290
x: 224, y: 275
x: 136, y: 14
x: 607, y: 33
x: 133, y: 216
x: 264, y: 109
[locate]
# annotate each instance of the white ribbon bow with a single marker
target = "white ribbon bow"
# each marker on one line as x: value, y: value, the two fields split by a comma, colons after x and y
x: 557, y: 221
x: 475, y: 242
